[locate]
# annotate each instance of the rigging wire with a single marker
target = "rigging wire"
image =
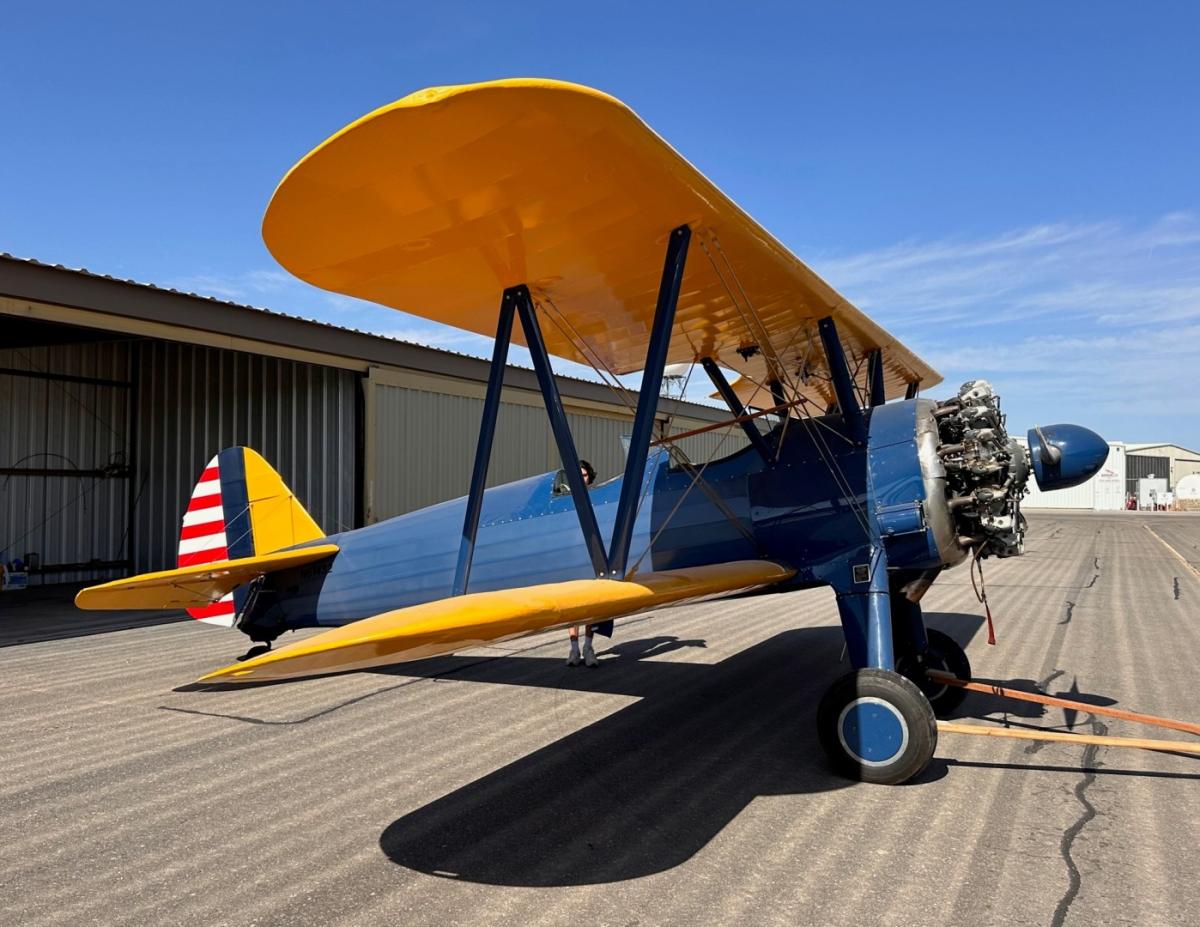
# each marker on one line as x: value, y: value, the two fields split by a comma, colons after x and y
x: 670, y: 515
x: 782, y: 367
x: 762, y: 339
x: 577, y: 341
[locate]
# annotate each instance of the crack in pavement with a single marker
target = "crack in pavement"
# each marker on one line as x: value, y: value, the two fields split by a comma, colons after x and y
x: 1176, y: 588
x: 1035, y: 745
x: 1070, y: 612
x: 1089, y: 764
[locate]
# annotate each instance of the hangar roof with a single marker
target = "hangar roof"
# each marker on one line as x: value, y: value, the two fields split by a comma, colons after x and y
x: 1180, y: 449
x: 189, y: 317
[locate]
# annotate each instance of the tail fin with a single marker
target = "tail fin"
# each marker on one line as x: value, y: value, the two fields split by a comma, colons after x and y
x: 239, y: 508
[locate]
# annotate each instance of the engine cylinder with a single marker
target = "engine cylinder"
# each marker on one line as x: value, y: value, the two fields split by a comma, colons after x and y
x: 975, y: 475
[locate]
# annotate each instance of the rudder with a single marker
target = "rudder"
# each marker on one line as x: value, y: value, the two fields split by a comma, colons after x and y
x: 240, y: 507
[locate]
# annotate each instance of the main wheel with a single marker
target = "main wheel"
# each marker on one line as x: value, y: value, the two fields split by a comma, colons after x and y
x: 876, y: 726
x: 945, y: 656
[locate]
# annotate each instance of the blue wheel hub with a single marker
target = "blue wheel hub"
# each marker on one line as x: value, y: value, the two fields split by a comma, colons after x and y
x: 872, y: 731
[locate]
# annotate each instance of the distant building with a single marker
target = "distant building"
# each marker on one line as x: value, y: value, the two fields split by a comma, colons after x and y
x: 1127, y: 473
x: 1169, y: 461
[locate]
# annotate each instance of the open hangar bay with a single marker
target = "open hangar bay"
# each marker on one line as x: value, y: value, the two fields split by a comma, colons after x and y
x: 115, y: 394
x: 680, y: 782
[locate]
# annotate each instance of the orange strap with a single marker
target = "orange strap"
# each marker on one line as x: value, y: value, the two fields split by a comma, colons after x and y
x: 1101, y: 740
x: 1037, y: 697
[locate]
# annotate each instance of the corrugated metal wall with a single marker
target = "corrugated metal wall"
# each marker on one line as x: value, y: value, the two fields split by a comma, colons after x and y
x: 56, y: 424
x: 1138, y: 466
x: 190, y: 402
x: 193, y: 401
x: 185, y: 402
x: 424, y: 446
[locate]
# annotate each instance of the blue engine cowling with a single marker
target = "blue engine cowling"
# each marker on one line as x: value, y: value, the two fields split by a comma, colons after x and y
x: 1065, y: 455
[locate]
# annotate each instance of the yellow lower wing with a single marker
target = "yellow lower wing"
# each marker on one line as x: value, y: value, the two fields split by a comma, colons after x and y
x: 469, y: 620
x: 195, y: 586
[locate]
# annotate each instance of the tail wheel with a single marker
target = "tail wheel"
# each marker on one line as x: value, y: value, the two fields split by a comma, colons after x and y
x: 877, y: 726
x: 946, y: 656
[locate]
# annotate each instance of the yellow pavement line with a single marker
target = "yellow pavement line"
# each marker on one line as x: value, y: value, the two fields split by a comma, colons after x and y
x: 1182, y: 559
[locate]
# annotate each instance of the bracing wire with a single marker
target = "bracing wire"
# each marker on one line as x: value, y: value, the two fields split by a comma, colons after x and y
x: 784, y: 373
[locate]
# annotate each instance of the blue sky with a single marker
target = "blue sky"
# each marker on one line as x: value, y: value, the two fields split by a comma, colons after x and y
x: 1011, y: 188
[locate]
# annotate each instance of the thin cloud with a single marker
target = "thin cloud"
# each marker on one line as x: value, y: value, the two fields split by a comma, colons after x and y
x: 1097, y: 322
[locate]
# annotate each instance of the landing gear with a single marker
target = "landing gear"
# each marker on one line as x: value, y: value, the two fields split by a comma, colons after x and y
x: 946, y: 656
x: 877, y: 726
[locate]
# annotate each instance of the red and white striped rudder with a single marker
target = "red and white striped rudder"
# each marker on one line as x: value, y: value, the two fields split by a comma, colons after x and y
x: 203, y: 540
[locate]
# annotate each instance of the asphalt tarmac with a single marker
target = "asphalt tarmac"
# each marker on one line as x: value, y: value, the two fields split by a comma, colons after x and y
x: 678, y: 783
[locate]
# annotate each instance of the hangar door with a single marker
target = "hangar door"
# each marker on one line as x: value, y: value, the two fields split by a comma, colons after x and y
x: 102, y: 440
x: 65, y: 480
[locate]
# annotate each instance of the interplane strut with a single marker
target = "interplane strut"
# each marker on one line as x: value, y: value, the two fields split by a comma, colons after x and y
x: 609, y: 563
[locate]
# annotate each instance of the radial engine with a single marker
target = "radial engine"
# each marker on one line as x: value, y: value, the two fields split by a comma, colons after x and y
x: 986, y: 471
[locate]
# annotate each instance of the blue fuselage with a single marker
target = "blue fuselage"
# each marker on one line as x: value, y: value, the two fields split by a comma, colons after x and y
x: 806, y: 508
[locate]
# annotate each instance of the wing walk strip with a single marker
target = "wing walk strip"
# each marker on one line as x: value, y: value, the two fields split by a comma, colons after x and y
x: 465, y: 621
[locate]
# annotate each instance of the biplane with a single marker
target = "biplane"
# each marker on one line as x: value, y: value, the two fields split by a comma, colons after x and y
x: 548, y: 214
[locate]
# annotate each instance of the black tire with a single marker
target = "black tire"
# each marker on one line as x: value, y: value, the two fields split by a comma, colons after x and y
x: 946, y: 656
x: 868, y: 713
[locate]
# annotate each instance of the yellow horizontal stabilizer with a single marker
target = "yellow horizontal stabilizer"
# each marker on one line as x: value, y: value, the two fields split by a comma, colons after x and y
x: 194, y: 586
x: 448, y: 625
x: 436, y: 203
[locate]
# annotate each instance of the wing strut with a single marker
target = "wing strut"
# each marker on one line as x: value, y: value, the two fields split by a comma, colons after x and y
x: 517, y: 299
x: 843, y: 383
x: 875, y: 377
x: 735, y: 406
x: 562, y: 429
x: 643, y: 422
x: 483, y: 448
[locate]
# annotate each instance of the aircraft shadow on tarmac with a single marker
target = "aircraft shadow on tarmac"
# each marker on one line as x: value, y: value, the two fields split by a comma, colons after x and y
x: 647, y: 787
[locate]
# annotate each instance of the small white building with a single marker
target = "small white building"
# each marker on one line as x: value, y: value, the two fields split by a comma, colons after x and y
x: 1104, y: 492
x: 1130, y: 472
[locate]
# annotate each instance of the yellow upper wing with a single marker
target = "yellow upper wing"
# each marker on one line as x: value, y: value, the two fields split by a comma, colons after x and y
x: 194, y: 586
x: 436, y: 203
x: 447, y: 625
